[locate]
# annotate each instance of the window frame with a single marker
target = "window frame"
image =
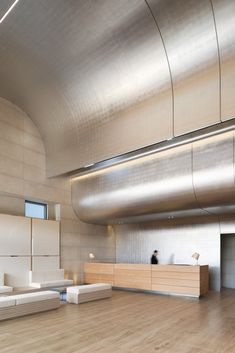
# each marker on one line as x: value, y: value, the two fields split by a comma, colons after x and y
x: 45, y: 206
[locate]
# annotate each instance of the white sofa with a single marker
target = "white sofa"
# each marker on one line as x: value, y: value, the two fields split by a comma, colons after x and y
x: 28, y: 303
x: 48, y: 279
x: 89, y: 292
x: 3, y: 288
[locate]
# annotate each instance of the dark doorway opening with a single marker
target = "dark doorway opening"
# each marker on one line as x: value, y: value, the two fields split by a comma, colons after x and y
x: 228, y: 261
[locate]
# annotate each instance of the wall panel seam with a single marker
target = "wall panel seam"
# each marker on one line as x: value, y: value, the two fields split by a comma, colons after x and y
x: 168, y: 64
x: 219, y: 57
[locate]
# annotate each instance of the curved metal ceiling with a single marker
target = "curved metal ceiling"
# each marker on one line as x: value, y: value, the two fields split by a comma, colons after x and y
x: 194, y: 179
x: 103, y: 77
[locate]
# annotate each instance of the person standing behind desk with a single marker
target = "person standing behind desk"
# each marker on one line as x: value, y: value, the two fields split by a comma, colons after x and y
x: 154, y: 259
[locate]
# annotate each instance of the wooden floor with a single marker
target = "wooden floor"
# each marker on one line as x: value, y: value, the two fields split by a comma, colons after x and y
x: 128, y: 323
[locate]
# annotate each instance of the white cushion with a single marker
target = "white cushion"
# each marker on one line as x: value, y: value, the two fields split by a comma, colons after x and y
x: 34, y: 297
x: 44, y: 276
x: 89, y: 288
x: 5, y: 289
x: 7, y: 301
x: 36, y: 285
x: 56, y: 283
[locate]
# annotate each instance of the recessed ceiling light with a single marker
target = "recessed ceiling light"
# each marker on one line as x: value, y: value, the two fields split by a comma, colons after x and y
x: 8, y: 11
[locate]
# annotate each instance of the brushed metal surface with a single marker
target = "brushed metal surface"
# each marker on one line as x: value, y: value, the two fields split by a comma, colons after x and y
x: 213, y: 173
x: 190, y: 180
x: 176, y: 241
x: 224, y: 11
x: 213, y: 130
x: 95, y: 76
x: 159, y: 185
x: 4, y: 6
x: 189, y: 35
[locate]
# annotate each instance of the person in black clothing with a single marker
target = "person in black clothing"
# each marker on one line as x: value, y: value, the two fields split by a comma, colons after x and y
x: 154, y: 259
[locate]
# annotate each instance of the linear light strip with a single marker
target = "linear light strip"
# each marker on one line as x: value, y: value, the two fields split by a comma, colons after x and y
x: 165, y: 145
x: 8, y: 11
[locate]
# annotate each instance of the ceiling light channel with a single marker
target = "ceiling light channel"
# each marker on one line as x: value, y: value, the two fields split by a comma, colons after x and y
x: 8, y: 11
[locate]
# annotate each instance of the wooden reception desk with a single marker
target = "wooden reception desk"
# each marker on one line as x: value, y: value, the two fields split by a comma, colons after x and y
x: 168, y: 279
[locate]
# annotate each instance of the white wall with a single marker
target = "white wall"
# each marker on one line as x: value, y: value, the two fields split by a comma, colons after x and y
x: 22, y: 176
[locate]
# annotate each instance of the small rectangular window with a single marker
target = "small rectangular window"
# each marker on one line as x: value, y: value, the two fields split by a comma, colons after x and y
x: 35, y: 209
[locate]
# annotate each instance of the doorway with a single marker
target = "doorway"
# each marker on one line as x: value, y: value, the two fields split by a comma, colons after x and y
x: 228, y: 261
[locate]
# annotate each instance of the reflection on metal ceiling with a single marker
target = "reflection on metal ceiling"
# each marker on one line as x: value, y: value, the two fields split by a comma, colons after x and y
x: 193, y: 179
x: 4, y: 6
x: 103, y: 77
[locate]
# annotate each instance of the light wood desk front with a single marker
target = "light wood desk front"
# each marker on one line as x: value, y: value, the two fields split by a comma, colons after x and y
x: 168, y: 279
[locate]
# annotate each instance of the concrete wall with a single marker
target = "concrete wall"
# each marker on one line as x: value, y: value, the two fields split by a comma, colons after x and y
x: 22, y: 176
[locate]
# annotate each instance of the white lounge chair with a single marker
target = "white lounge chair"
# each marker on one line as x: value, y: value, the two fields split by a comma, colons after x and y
x: 48, y: 279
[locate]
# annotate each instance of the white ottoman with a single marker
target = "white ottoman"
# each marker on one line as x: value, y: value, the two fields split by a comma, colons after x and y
x: 89, y: 292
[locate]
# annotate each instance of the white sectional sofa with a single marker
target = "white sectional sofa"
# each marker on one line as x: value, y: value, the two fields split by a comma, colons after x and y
x: 28, y: 303
x: 3, y: 288
x: 48, y: 279
x: 89, y: 292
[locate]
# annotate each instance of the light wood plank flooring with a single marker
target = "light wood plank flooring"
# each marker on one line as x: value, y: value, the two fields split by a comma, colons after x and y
x: 127, y: 323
